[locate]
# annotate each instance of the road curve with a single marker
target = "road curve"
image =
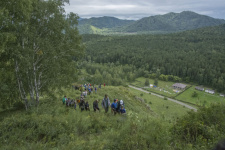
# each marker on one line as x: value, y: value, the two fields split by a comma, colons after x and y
x: 170, y: 99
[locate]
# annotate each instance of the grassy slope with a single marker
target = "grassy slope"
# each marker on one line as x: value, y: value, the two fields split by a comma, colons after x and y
x: 163, y: 108
x: 53, y: 125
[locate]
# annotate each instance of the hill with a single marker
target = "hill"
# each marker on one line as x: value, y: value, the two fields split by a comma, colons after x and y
x: 87, y: 25
x: 168, y: 23
x: 173, y: 22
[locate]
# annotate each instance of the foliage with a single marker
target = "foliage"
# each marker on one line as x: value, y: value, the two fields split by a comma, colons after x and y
x: 110, y: 73
x: 204, y: 128
x: 44, y: 44
x: 194, y: 94
x: 156, y: 82
x: 174, y: 54
x: 147, y: 82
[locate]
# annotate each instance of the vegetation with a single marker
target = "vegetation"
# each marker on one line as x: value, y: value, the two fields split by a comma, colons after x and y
x: 202, y: 98
x: 164, y: 126
x: 43, y: 44
x: 41, y: 57
x: 194, y: 56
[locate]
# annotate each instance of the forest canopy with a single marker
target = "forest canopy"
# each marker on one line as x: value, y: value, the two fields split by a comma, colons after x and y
x: 195, y: 56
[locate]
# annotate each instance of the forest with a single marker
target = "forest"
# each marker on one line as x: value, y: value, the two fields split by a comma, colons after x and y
x: 195, y: 56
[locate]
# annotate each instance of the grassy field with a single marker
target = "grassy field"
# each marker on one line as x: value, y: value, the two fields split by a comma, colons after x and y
x: 163, y: 88
x: 203, y: 98
x: 162, y: 108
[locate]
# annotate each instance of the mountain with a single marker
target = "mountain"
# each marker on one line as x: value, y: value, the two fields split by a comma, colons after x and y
x: 173, y: 22
x: 168, y: 23
x: 105, y: 22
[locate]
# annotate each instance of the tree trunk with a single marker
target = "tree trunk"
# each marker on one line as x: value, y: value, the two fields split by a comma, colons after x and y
x: 20, y: 84
x: 36, y: 85
x: 31, y: 88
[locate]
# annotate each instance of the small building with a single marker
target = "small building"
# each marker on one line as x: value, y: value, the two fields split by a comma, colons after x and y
x: 199, y: 88
x: 210, y: 91
x: 223, y: 95
x: 179, y: 86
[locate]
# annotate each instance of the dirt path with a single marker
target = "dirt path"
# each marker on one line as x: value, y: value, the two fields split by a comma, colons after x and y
x: 170, y: 99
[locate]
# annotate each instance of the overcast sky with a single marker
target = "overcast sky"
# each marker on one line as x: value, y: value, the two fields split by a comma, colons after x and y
x: 137, y: 9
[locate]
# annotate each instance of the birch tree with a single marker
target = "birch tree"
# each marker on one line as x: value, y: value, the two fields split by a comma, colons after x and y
x: 46, y: 47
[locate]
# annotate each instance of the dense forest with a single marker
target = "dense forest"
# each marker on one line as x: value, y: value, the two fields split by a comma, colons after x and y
x: 195, y: 56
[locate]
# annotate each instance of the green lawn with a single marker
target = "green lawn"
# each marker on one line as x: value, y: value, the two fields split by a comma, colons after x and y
x: 202, y: 99
x: 163, y: 88
x: 162, y: 108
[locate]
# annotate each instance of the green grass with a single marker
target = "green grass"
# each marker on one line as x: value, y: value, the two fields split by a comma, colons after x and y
x: 162, y: 108
x: 162, y: 86
x: 203, y: 98
x: 52, y: 125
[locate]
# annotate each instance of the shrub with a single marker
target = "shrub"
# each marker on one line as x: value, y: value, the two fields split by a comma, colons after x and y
x: 18, y: 105
x: 141, y: 94
x: 194, y: 94
x: 165, y: 98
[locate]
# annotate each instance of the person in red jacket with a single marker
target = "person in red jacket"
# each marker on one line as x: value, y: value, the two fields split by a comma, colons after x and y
x: 104, y: 84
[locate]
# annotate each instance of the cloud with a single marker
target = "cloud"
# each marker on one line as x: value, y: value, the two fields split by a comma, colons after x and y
x: 134, y: 9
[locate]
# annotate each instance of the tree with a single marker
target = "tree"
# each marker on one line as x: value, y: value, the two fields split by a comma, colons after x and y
x: 47, y: 43
x: 156, y: 82
x: 194, y: 94
x: 147, y: 82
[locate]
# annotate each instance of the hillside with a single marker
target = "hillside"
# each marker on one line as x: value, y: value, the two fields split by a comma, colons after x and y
x: 195, y: 56
x: 171, y: 22
x: 164, y: 126
x: 53, y: 125
x: 88, y: 26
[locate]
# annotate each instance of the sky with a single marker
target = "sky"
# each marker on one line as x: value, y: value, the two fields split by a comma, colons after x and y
x: 137, y: 9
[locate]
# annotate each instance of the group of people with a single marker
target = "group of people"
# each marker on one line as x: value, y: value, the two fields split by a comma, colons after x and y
x: 116, y: 106
x: 87, y: 89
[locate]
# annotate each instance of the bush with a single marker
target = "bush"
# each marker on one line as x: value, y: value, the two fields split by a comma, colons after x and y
x: 165, y: 98
x: 194, y: 94
x: 141, y: 94
x: 18, y: 105
x: 204, y: 128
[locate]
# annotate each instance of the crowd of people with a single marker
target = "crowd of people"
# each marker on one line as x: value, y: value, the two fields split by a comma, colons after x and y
x: 117, y: 107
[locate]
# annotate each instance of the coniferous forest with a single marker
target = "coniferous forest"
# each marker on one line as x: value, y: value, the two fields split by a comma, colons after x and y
x: 195, y: 56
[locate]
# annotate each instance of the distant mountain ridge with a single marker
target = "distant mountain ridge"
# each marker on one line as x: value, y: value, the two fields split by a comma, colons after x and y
x: 105, y: 22
x: 170, y: 22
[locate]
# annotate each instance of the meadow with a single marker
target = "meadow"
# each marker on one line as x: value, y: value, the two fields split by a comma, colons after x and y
x: 163, y: 88
x: 202, y: 98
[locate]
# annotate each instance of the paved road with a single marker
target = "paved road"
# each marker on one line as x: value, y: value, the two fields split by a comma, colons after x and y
x: 170, y: 99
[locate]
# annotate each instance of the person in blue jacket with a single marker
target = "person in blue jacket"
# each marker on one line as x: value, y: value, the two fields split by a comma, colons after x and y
x: 122, y: 110
x: 113, y: 107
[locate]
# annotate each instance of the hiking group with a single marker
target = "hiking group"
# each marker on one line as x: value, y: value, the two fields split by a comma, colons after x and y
x: 116, y: 106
